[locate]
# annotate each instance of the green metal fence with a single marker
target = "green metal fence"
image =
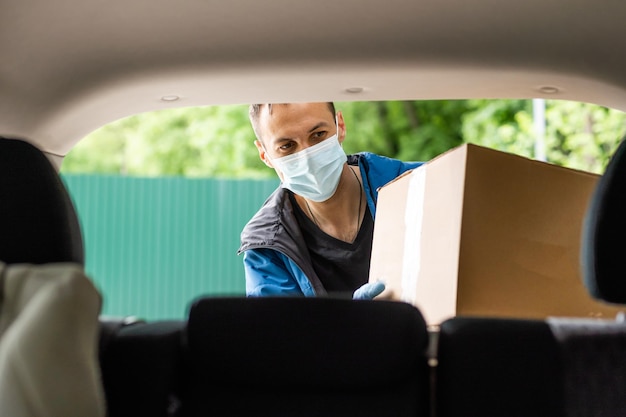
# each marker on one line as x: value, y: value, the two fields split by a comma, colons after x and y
x: 152, y: 245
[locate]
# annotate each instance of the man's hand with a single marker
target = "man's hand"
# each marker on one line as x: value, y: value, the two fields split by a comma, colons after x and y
x: 369, y: 291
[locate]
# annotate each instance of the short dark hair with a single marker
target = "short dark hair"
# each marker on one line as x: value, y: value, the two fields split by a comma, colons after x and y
x: 254, y: 112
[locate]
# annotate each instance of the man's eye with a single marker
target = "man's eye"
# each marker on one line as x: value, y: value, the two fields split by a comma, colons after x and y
x: 285, y: 147
x: 320, y: 135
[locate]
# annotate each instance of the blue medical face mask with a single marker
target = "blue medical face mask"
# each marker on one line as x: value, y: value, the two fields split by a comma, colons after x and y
x: 313, y: 172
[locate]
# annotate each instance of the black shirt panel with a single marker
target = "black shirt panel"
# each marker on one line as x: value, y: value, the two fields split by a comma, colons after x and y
x: 341, y: 266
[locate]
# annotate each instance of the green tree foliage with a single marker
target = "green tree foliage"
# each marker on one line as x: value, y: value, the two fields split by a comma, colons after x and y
x: 577, y: 135
x: 407, y: 130
x: 497, y: 124
x: 217, y: 141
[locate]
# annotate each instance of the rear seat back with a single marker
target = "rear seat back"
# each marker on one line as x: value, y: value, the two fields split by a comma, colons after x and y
x: 305, y: 357
x: 142, y: 368
x: 492, y: 367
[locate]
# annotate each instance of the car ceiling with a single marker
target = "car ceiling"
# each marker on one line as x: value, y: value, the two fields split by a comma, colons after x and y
x: 69, y: 67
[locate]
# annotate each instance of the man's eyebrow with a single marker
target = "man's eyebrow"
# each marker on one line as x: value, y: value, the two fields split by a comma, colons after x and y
x: 280, y: 140
x: 311, y: 130
x: 317, y: 126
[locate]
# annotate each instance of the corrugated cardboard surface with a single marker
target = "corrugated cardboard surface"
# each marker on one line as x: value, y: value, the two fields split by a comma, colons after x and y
x: 482, y: 232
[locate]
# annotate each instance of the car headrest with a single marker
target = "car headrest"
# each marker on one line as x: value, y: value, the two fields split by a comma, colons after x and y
x: 344, y: 342
x: 38, y: 222
x: 603, y: 254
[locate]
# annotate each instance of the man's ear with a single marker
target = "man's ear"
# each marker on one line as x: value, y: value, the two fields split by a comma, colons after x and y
x: 341, y: 126
x: 263, y: 154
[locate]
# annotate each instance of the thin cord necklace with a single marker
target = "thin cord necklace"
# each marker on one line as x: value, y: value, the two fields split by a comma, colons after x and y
x: 358, y: 214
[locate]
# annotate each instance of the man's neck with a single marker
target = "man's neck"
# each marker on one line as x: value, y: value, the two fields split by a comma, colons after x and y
x: 340, y: 216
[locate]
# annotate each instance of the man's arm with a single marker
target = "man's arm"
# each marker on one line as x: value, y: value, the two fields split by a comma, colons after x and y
x: 268, y: 274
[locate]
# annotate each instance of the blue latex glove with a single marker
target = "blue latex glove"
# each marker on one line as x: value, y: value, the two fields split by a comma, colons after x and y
x: 369, y: 291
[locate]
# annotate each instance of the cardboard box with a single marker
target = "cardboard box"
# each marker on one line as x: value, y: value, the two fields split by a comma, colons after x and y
x: 481, y: 232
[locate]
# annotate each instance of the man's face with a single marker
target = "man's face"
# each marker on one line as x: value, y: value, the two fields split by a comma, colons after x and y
x: 290, y: 128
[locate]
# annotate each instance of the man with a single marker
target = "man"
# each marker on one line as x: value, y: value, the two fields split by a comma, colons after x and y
x: 313, y: 235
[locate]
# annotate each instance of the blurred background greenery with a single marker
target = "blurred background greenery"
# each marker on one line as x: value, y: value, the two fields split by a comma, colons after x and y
x: 217, y: 141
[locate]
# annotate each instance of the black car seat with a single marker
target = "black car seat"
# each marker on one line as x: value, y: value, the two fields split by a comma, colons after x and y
x: 37, y: 218
x: 497, y: 367
x: 603, y: 231
x: 142, y: 369
x: 284, y: 356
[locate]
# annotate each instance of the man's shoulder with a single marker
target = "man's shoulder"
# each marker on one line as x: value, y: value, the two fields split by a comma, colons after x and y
x: 270, y: 211
x: 382, y: 165
x: 378, y: 169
